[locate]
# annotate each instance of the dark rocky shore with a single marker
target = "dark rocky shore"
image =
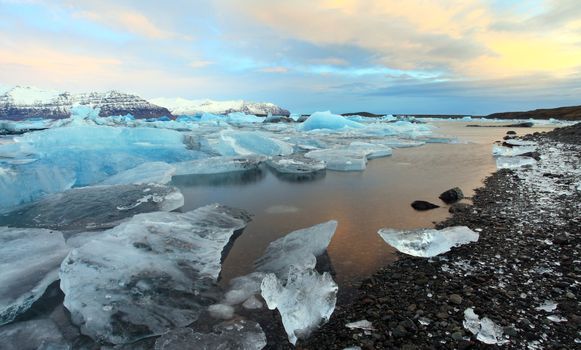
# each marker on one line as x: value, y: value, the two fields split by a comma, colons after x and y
x: 526, y: 260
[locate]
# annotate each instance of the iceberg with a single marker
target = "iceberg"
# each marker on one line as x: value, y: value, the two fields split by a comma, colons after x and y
x: 151, y: 274
x: 29, y: 261
x: 340, y: 159
x: 306, y: 300
x: 94, y: 207
x: 370, y: 150
x: 150, y: 172
x: 296, y: 164
x: 428, y: 242
x: 233, y: 142
x: 514, y: 162
x: 218, y: 165
x: 330, y: 121
x: 41, y: 334
x: 237, y: 335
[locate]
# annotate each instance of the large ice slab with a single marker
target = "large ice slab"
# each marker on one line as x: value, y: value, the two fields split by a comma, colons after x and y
x: 148, y: 275
x: 234, y: 142
x: 328, y: 120
x: 305, y: 300
x: 150, y: 172
x: 29, y: 262
x: 236, y: 335
x: 42, y: 334
x: 218, y: 165
x: 514, y: 162
x: 94, y: 207
x: 351, y: 158
x: 428, y: 242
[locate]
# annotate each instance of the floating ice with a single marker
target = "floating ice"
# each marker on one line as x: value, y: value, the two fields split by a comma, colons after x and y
x: 217, y: 165
x: 237, y: 335
x: 428, y: 242
x: 94, y: 207
x: 148, y: 275
x: 296, y: 164
x: 351, y: 158
x: 29, y: 262
x: 42, y: 334
x: 233, y: 142
x: 298, y: 248
x: 305, y: 300
x: 514, y: 162
x: 484, y: 329
x: 511, y: 151
x: 371, y: 151
x: 150, y: 172
x: 328, y: 120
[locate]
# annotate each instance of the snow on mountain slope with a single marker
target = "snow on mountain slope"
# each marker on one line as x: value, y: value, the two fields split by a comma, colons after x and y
x: 29, y: 102
x: 182, y: 106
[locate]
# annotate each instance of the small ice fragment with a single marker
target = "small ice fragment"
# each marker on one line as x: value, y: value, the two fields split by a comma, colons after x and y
x: 547, y: 306
x: 252, y: 303
x: 484, y: 329
x: 513, y: 162
x: 363, y: 324
x: 556, y: 318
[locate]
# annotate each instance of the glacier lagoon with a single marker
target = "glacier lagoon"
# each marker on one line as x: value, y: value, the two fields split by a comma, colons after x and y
x: 410, y: 161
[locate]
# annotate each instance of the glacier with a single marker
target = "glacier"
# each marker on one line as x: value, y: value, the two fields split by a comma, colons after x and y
x: 94, y: 207
x: 148, y: 275
x: 428, y: 242
x: 235, y: 335
x: 29, y: 261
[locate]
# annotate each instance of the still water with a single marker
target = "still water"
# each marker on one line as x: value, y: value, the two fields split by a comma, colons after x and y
x: 362, y: 202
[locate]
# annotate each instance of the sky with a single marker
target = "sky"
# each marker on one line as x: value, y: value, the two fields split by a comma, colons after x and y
x: 415, y: 56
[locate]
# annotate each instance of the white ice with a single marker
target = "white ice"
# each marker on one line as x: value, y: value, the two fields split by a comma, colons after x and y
x: 511, y: 151
x: 428, y: 242
x: 484, y: 329
x: 328, y: 120
x: 234, y: 142
x: 148, y: 275
x: 363, y: 325
x: 29, y: 262
x: 150, y: 172
x: 236, y: 335
x: 218, y: 165
x: 305, y: 300
x: 514, y: 162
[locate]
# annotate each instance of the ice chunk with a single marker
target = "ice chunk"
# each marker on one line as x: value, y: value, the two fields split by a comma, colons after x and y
x: 244, y: 287
x: 221, y: 311
x: 28, y: 182
x: 511, y: 151
x: 340, y: 159
x: 29, y: 262
x: 484, y: 329
x: 306, y: 300
x: 94, y: 207
x: 237, y: 335
x: 233, y: 142
x: 514, y: 162
x: 556, y: 318
x: 150, y: 172
x: 516, y: 142
x: 42, y: 334
x: 328, y: 120
x: 298, y: 248
x: 148, y: 275
x: 428, y: 242
x: 252, y: 303
x: 547, y: 306
x: 371, y: 151
x: 217, y: 165
x: 296, y: 164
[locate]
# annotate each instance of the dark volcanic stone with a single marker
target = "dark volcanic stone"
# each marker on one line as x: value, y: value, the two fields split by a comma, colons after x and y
x: 460, y: 208
x: 535, y: 155
x: 511, y: 132
x: 423, y: 205
x: 452, y: 195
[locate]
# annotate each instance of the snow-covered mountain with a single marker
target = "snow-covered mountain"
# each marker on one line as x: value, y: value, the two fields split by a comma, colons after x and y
x: 29, y: 102
x: 182, y: 106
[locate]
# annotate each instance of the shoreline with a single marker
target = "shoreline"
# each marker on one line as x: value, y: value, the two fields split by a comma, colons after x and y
x: 526, y: 257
